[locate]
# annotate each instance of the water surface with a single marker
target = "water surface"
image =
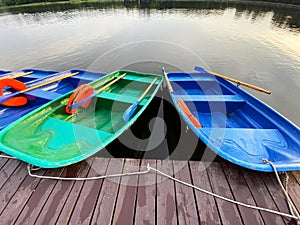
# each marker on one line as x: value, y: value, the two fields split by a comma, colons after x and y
x: 253, y: 43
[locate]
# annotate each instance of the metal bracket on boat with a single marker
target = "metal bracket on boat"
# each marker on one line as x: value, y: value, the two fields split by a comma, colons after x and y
x: 238, y: 84
x: 187, y: 129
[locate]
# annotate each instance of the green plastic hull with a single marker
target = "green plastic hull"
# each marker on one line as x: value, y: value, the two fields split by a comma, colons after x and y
x: 49, y: 137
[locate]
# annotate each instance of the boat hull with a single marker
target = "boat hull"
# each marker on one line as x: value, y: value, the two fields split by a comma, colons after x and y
x: 236, y: 125
x: 54, y: 138
x: 42, y: 95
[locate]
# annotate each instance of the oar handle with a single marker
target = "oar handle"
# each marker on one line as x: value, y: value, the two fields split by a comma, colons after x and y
x: 167, y: 80
x: 241, y: 83
x: 147, y: 90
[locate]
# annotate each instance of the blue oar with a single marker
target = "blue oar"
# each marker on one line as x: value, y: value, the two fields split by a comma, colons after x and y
x: 131, y: 109
x: 4, y: 98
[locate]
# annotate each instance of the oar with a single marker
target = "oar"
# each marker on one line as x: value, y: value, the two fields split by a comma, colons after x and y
x: 131, y: 109
x: 8, y: 96
x: 78, y: 104
x: 15, y: 74
x: 167, y: 79
x: 197, y: 68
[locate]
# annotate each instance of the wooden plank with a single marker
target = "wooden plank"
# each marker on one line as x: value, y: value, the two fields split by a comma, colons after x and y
x: 275, y: 192
x: 8, y: 168
x: 296, y: 174
x: 12, y: 185
x: 166, y: 213
x: 124, y: 211
x: 60, y: 193
x: 3, y: 161
x: 146, y: 196
x: 261, y: 196
x: 72, y: 199
x: 20, y: 198
x: 294, y: 191
x: 37, y: 200
x: 229, y: 212
x: 207, y: 208
x: 85, y: 205
x: 186, y: 205
x: 107, y: 198
x: 241, y: 193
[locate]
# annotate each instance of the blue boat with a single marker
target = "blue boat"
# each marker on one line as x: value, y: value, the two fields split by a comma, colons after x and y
x: 234, y: 124
x: 44, y: 94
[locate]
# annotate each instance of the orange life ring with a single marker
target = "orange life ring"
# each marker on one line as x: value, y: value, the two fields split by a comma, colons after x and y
x: 16, y: 85
x: 81, y: 93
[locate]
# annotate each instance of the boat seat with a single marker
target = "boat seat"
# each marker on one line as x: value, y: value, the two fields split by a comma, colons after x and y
x: 199, y: 78
x: 44, y: 94
x: 138, y: 79
x: 81, y: 133
x: 120, y: 97
x: 210, y: 98
x: 246, y: 143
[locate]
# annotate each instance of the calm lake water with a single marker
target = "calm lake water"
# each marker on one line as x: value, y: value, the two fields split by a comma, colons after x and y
x: 259, y: 44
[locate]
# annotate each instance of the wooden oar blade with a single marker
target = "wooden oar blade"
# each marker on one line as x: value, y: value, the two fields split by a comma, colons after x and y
x: 130, y: 111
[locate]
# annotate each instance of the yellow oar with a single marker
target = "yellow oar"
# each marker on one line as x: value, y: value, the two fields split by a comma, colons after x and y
x: 167, y: 80
x: 15, y: 74
x: 197, y: 68
x: 8, y: 96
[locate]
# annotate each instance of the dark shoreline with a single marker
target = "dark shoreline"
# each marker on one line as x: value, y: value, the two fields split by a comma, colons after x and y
x: 278, y: 3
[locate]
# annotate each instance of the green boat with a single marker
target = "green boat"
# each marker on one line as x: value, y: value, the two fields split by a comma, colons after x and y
x: 80, y: 123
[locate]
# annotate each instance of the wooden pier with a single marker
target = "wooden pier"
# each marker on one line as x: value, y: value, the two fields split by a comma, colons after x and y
x: 141, y: 199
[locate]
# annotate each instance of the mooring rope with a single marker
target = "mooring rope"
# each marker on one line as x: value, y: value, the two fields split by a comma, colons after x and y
x: 7, y: 156
x: 291, y: 205
x: 149, y: 169
x: 29, y: 168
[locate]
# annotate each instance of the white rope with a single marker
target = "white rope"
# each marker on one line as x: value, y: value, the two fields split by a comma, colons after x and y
x: 149, y: 168
x: 85, y: 178
x: 224, y: 198
x: 7, y: 156
x: 291, y: 205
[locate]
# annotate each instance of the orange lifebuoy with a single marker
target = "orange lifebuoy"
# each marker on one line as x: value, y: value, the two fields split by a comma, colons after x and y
x: 188, y: 113
x: 81, y: 93
x: 16, y: 85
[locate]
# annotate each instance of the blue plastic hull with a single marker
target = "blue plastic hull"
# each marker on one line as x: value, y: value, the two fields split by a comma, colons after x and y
x: 43, y: 95
x: 237, y: 126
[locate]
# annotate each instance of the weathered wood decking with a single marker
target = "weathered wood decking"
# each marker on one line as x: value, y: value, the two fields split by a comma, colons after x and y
x: 140, y: 199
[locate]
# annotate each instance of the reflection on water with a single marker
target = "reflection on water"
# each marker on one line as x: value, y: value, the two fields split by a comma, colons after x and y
x: 259, y: 44
x: 287, y: 16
